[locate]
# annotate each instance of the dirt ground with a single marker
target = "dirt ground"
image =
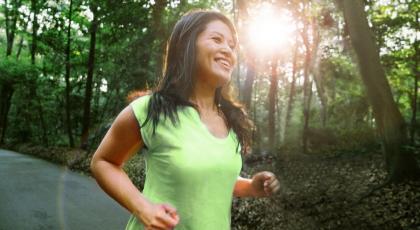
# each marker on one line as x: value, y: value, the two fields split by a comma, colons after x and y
x: 323, y: 192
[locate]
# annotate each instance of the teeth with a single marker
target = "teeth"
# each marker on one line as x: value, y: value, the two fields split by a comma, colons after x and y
x: 224, y: 62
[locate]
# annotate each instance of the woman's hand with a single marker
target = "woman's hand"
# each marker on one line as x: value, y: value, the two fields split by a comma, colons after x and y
x: 264, y: 184
x: 158, y: 216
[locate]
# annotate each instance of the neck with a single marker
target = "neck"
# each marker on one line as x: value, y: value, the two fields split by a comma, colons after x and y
x: 203, y: 97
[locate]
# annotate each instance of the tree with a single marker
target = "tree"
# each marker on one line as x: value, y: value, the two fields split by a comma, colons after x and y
x: 272, y: 101
x: 7, y: 86
x: 33, y: 87
x: 310, y: 55
x: 400, y: 162
x: 88, y: 87
x: 11, y: 18
x: 67, y: 78
x: 292, y: 90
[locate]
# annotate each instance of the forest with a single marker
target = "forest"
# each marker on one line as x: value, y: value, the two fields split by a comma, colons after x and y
x: 331, y: 86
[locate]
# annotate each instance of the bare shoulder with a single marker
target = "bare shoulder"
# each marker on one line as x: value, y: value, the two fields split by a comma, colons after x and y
x: 122, y: 140
x: 126, y: 123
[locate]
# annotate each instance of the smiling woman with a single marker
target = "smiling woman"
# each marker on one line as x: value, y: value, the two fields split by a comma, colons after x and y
x: 216, y: 54
x: 194, y: 158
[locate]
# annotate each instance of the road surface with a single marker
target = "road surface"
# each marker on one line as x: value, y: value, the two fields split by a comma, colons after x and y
x: 36, y: 194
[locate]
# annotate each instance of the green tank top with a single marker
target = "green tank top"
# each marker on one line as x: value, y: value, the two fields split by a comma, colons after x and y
x: 189, y: 168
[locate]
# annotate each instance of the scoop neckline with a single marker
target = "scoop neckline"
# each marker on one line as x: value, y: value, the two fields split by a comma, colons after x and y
x: 206, y: 130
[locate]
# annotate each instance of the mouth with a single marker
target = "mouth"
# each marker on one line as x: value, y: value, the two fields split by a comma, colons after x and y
x: 225, y: 63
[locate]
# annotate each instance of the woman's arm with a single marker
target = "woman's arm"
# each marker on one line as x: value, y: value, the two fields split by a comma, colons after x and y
x: 243, y: 188
x: 262, y: 184
x: 121, y: 141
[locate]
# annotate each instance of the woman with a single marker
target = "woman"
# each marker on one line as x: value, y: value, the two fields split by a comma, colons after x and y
x: 194, y: 158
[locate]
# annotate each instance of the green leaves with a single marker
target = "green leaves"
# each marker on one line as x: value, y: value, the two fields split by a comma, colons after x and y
x: 14, y: 71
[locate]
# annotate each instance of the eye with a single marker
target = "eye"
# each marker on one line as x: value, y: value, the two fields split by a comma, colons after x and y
x: 217, y: 39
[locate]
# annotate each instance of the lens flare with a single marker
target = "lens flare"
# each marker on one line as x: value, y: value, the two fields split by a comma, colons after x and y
x: 270, y: 29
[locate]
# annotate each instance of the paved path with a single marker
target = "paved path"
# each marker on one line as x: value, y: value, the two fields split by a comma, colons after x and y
x: 36, y: 194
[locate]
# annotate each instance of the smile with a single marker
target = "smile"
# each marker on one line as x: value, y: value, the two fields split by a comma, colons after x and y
x: 223, y: 62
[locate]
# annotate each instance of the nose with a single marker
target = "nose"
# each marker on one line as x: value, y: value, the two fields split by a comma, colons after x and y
x: 226, y: 49
x: 228, y: 52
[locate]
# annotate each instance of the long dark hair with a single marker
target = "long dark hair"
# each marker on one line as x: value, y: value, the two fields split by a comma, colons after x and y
x: 176, y: 86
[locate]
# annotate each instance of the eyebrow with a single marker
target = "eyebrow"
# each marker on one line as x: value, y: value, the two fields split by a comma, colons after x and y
x: 215, y: 32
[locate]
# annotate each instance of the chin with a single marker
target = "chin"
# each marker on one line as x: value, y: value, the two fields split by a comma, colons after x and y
x: 223, y: 80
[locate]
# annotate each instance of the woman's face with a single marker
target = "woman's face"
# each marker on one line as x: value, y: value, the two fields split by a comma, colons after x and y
x: 216, y: 56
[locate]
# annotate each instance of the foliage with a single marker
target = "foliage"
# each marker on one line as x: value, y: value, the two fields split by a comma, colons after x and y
x: 16, y: 71
x: 130, y: 42
x: 395, y: 25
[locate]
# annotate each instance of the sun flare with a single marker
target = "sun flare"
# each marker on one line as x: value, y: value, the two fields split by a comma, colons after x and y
x: 270, y: 30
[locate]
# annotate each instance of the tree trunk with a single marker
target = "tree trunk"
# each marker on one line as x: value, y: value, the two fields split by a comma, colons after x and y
x: 249, y: 81
x: 159, y: 31
x: 292, y: 90
x: 7, y: 88
x: 400, y: 161
x: 241, y: 15
x: 278, y: 119
x: 96, y: 95
x: 306, y: 87
x: 67, y: 77
x: 317, y: 76
x: 416, y: 75
x: 414, y: 103
x: 6, y: 99
x: 88, y: 88
x: 34, y: 30
x: 33, y: 86
x: 236, y: 12
x: 314, y: 70
x: 108, y: 98
x: 11, y: 20
x: 272, y: 103
x: 255, y: 132
x: 20, y: 45
x: 7, y: 26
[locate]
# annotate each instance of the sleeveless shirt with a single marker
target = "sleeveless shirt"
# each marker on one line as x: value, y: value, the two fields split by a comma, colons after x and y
x: 188, y: 168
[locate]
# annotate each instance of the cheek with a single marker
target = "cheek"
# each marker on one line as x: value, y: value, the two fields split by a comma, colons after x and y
x: 203, y: 58
x: 235, y: 60
x: 200, y: 61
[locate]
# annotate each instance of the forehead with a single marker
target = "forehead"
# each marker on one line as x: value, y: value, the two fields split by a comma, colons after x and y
x: 218, y: 27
